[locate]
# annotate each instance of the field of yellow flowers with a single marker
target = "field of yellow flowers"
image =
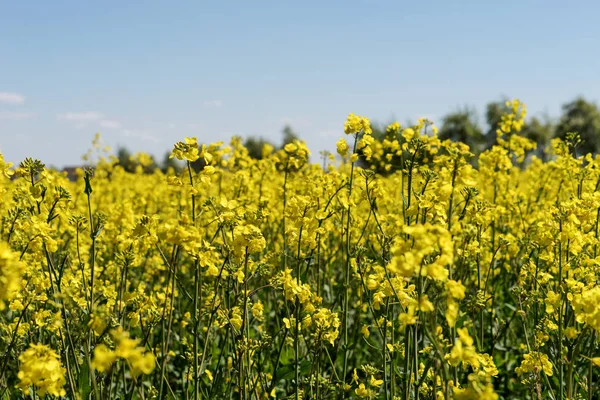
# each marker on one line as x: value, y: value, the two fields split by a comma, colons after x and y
x: 448, y: 278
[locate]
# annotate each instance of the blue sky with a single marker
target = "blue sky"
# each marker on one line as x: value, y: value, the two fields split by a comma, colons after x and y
x: 148, y: 73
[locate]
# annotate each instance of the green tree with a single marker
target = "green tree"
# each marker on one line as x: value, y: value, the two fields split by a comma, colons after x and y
x: 124, y: 157
x: 493, y: 115
x: 462, y: 126
x: 379, y: 135
x: 540, y: 130
x: 129, y: 162
x: 255, y: 146
x: 583, y: 117
x: 289, y: 135
x: 199, y: 164
x: 169, y: 162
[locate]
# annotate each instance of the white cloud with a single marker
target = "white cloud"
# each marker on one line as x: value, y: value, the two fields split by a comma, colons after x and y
x: 144, y: 135
x: 85, y: 116
x: 110, y: 124
x: 12, y: 98
x: 213, y: 103
x: 15, y: 116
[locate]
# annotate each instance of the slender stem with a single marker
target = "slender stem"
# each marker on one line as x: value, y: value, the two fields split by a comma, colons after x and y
x: 347, y: 277
x: 285, y: 180
x: 195, y: 321
x: 560, y: 322
x: 590, y: 370
x: 297, y: 313
x: 245, y: 327
x: 93, y: 234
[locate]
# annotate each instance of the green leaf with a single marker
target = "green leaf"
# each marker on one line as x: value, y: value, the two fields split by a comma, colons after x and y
x: 289, y: 371
x: 84, y: 381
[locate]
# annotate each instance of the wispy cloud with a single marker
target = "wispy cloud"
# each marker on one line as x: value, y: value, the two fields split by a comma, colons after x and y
x: 12, y: 98
x: 144, y: 135
x: 15, y: 116
x: 110, y: 124
x: 213, y: 103
x: 85, y: 116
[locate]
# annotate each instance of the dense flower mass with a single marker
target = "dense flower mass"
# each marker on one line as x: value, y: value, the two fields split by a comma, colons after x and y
x: 10, y: 274
x: 41, y: 369
x: 406, y: 269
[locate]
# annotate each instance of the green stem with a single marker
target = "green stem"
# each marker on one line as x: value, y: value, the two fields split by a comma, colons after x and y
x: 297, y: 312
x: 195, y: 321
x: 347, y: 276
x: 93, y: 234
x: 560, y: 322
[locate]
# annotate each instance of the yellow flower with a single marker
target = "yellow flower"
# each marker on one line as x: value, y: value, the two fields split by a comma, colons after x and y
x: 327, y: 325
x: 408, y: 134
x: 240, y: 276
x: 365, y: 331
x: 248, y: 237
x: 40, y: 367
x: 354, y: 376
x: 455, y: 289
x: 287, y: 323
x: 139, y: 361
x: 571, y: 332
x: 103, y: 358
x: 5, y: 167
x: 375, y: 382
x: 362, y: 391
x: 208, y: 374
x: 451, y: 312
x: 342, y: 147
x: 10, y: 273
x: 236, y: 318
x: 257, y: 311
x: 535, y: 362
x: 356, y: 124
x: 552, y: 301
x: 187, y: 150
x: 393, y: 129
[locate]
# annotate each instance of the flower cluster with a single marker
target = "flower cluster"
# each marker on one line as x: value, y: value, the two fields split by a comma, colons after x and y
x: 41, y: 368
x: 356, y: 124
x: 127, y: 349
x: 10, y: 274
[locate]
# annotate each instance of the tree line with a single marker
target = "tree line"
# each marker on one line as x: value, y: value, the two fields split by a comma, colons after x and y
x: 579, y: 115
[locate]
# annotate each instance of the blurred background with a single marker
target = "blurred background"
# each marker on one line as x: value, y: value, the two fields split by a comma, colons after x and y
x: 145, y: 74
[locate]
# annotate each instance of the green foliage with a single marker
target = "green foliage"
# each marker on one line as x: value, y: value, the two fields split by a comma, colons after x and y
x: 255, y: 145
x: 583, y: 117
x: 289, y: 135
x: 169, y: 163
x: 462, y: 126
x: 129, y: 162
x: 541, y: 132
